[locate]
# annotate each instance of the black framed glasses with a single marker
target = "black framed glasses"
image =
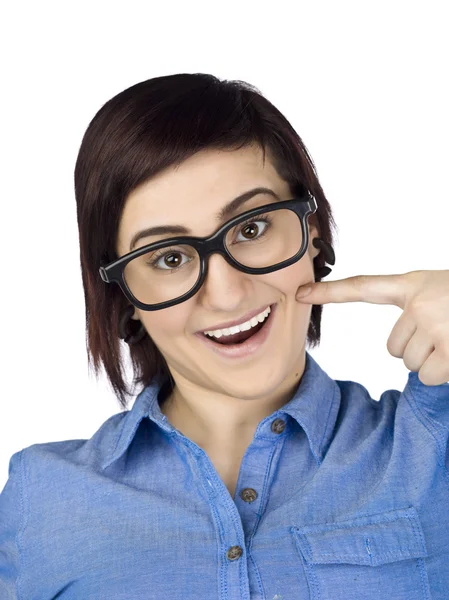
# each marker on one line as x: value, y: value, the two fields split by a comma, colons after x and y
x: 258, y: 241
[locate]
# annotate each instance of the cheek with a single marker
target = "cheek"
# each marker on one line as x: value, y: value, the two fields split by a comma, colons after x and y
x: 164, y: 325
x: 289, y: 279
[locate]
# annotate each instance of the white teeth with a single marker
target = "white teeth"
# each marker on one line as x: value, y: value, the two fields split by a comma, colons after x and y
x: 242, y: 327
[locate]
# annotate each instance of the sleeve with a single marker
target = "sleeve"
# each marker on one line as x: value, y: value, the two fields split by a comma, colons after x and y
x: 431, y: 405
x: 10, y: 528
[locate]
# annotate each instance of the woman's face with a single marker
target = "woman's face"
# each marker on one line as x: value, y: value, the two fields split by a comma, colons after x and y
x: 191, y: 195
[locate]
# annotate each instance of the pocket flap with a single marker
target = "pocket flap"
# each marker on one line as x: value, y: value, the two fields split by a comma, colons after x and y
x: 370, y: 540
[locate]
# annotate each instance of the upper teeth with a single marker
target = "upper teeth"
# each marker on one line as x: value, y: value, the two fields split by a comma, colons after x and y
x: 242, y: 327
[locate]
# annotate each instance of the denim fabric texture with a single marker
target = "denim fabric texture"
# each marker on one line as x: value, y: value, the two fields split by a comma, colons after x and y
x: 339, y: 497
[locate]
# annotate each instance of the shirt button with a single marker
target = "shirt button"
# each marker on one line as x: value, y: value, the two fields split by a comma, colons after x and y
x: 248, y: 495
x: 278, y: 426
x: 234, y: 552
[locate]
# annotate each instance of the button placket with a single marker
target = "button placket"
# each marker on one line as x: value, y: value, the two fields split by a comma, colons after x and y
x: 250, y: 494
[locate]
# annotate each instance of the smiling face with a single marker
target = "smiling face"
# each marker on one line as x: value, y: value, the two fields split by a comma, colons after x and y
x: 191, y: 195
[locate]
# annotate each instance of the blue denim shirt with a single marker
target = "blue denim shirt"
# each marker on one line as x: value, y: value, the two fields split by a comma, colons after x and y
x: 339, y: 497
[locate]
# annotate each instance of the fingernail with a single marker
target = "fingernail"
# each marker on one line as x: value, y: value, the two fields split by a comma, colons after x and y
x: 303, y: 291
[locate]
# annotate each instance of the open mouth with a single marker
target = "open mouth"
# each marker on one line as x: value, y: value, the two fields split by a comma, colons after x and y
x: 240, y: 336
x: 242, y: 343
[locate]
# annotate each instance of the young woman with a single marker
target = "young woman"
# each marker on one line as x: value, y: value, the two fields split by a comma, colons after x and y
x: 242, y: 470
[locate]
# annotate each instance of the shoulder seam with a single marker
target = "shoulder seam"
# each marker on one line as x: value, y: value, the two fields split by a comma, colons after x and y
x: 366, y: 394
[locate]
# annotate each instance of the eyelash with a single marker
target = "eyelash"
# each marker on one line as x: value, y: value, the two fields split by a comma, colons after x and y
x: 163, y: 251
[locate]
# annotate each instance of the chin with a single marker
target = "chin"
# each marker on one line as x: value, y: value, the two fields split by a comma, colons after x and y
x: 256, y: 383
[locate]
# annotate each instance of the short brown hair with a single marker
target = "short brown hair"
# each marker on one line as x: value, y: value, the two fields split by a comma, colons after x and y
x: 139, y: 132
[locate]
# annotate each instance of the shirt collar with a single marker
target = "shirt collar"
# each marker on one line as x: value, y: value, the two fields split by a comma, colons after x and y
x: 314, y: 406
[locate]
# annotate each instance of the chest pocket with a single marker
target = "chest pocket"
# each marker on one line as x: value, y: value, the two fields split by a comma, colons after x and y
x: 375, y: 556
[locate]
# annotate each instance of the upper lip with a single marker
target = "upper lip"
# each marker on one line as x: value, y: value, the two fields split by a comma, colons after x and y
x: 246, y: 317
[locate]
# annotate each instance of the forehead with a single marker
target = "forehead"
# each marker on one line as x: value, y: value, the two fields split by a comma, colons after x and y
x: 193, y: 192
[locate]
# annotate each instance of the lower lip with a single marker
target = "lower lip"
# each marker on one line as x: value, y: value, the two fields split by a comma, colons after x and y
x: 247, y: 348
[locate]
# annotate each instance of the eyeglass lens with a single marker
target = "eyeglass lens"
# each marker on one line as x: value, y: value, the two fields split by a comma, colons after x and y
x: 172, y: 271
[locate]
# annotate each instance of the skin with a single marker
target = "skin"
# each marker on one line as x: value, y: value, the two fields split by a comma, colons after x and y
x: 218, y: 403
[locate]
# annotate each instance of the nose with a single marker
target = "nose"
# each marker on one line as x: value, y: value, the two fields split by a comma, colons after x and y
x: 225, y: 287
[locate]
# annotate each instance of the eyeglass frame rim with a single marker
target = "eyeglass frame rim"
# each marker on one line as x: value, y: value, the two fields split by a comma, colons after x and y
x: 303, y: 206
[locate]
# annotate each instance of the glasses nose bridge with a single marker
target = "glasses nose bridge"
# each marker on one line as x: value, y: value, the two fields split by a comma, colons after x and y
x: 215, y: 245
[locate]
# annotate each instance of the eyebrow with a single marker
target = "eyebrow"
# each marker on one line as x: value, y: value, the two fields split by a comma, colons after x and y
x: 223, y: 215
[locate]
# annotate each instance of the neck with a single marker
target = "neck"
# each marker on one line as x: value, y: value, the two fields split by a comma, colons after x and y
x: 212, y: 419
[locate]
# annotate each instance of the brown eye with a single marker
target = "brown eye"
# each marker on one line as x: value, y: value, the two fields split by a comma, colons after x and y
x: 169, y: 259
x: 251, y: 230
x: 170, y: 262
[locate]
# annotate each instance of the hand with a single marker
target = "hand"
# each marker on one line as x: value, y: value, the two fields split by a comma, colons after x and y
x: 421, y: 334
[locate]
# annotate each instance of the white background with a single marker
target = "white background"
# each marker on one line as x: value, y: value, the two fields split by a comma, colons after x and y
x: 365, y: 84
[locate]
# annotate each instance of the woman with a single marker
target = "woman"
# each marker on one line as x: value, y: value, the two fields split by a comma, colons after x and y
x: 242, y: 469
